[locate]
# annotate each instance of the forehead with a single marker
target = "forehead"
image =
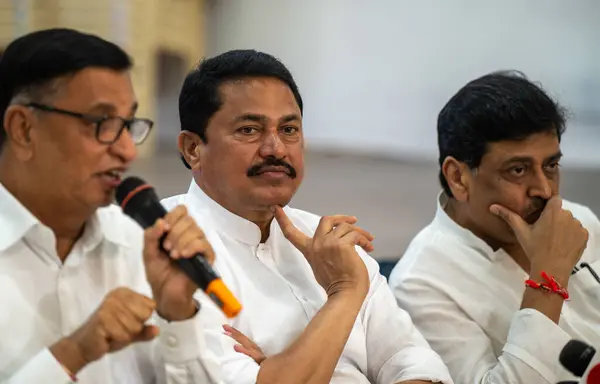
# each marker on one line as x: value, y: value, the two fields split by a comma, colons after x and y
x: 261, y: 95
x: 98, y: 86
x: 536, y: 147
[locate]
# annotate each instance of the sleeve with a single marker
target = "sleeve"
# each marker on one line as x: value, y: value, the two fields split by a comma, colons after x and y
x: 181, y: 355
x: 236, y: 368
x: 396, y: 351
x: 42, y: 368
x: 530, y: 354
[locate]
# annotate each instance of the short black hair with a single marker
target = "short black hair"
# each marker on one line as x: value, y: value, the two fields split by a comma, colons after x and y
x: 499, y: 106
x: 200, y: 99
x: 33, y: 61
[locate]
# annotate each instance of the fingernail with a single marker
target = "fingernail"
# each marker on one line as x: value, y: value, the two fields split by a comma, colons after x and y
x: 227, y: 333
x: 272, y: 208
x: 174, y: 254
x: 167, y: 245
x: 495, y: 210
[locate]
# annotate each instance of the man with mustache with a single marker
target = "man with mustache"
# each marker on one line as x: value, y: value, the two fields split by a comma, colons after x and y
x: 314, y: 301
x: 487, y: 281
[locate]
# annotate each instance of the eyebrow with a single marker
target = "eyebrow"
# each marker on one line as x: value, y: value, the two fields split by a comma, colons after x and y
x: 528, y: 159
x: 263, y: 119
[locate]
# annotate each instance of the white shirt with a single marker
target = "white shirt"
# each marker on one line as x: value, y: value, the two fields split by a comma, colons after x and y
x: 465, y: 299
x: 43, y: 300
x: 280, y: 296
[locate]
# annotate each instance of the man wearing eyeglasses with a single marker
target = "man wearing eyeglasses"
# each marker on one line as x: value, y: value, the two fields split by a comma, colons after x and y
x: 84, y: 292
x: 503, y: 276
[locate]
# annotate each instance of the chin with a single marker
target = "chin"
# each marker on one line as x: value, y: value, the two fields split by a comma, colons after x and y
x: 274, y: 197
x: 104, y: 200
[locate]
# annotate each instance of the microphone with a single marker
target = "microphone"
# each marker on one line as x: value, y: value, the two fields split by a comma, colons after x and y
x: 139, y: 201
x: 581, y: 360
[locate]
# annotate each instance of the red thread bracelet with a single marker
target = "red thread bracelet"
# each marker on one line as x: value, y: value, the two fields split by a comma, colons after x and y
x: 550, y: 285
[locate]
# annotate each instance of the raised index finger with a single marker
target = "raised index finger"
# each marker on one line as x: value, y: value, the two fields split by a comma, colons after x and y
x: 293, y: 234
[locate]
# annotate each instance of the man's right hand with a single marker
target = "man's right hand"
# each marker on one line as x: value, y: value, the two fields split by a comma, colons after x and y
x: 331, y: 252
x: 117, y: 323
x: 554, y: 243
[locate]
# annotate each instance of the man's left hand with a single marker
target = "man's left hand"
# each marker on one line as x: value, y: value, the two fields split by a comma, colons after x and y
x: 245, y: 346
x: 172, y: 289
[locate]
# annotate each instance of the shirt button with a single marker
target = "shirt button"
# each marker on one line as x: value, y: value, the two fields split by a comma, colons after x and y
x: 172, y: 341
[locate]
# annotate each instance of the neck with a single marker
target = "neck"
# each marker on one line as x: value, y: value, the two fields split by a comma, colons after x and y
x: 261, y: 216
x: 263, y: 221
x: 65, y: 222
x: 457, y: 213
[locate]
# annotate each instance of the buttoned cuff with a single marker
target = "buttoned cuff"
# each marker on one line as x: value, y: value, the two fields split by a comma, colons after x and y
x: 42, y: 368
x: 181, y: 341
x: 414, y: 363
x: 537, y: 341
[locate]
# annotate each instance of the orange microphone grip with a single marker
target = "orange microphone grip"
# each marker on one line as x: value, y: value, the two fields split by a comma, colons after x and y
x: 223, y: 297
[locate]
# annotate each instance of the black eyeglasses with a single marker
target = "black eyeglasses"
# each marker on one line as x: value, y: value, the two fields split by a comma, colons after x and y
x: 589, y: 268
x: 108, y: 128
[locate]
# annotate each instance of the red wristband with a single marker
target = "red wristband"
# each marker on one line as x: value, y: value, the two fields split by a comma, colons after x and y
x: 549, y: 285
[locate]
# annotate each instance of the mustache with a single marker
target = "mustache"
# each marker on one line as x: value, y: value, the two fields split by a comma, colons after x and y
x: 272, y: 161
x: 537, y: 204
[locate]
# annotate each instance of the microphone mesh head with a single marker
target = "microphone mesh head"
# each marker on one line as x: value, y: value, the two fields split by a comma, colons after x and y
x: 127, y: 186
x: 576, y: 356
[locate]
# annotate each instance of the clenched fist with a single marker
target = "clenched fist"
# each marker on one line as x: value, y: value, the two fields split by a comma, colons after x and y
x: 118, y: 322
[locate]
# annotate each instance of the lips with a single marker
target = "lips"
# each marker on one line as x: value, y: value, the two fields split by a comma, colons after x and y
x: 273, y: 169
x: 112, y: 177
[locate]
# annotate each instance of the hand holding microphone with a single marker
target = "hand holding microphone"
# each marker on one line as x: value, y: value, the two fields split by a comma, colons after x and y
x: 177, y: 255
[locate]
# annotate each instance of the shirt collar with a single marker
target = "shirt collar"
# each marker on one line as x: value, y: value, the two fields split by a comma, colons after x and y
x: 224, y: 220
x: 448, y: 225
x: 16, y: 221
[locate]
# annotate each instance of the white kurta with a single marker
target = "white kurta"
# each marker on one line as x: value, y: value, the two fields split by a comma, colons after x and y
x: 465, y: 299
x: 280, y: 296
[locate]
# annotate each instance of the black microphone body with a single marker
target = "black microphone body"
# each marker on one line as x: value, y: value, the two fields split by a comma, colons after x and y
x: 146, y: 212
x: 139, y: 201
x: 581, y: 359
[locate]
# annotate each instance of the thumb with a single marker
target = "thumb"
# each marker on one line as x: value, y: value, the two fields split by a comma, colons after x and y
x: 293, y: 234
x: 518, y: 225
x: 148, y: 333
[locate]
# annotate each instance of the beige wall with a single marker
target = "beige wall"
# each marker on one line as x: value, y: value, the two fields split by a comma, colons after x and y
x: 143, y: 27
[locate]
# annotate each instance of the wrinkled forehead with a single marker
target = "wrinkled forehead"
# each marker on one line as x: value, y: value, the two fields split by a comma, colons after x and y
x: 98, y: 90
x: 537, y: 148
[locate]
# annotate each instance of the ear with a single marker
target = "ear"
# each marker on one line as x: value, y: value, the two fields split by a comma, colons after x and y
x: 18, y: 123
x: 458, y: 176
x: 191, y: 148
